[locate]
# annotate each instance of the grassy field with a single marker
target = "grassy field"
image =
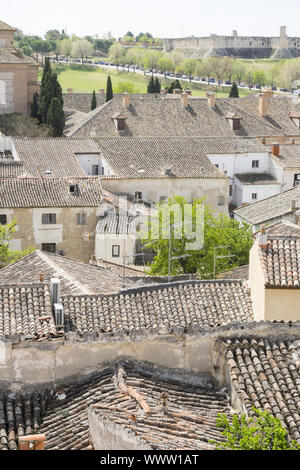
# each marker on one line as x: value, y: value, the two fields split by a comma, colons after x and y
x: 88, y: 78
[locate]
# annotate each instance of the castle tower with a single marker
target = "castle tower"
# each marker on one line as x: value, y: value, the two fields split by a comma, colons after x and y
x: 284, y: 43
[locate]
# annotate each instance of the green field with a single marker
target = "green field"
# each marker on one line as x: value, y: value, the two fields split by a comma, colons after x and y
x: 88, y: 78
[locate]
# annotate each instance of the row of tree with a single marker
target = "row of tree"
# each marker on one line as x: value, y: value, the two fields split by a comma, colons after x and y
x: 47, y: 107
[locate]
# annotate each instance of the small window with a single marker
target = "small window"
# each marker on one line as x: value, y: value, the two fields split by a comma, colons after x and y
x: 3, y: 219
x: 95, y: 170
x: 255, y: 163
x: 254, y: 196
x: 217, y: 165
x: 116, y: 251
x: 50, y: 247
x: 102, y: 170
x: 221, y: 201
x: 80, y: 219
x: 230, y: 190
x: 48, y: 218
x: 162, y: 198
x: 74, y: 188
x: 138, y: 196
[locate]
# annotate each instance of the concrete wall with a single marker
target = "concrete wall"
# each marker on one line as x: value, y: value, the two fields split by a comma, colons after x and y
x: 105, y: 242
x: 153, y: 189
x: 257, y: 283
x: 66, y: 234
x: 106, y: 435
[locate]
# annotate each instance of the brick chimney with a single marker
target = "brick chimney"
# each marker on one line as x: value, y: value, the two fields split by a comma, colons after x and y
x: 70, y: 90
x: 262, y: 104
x: 101, y: 91
x: 185, y: 99
x: 41, y: 277
x: 262, y: 238
x: 176, y: 91
x: 126, y: 100
x: 275, y: 150
x: 211, y: 99
x: 268, y: 92
x: 294, y: 205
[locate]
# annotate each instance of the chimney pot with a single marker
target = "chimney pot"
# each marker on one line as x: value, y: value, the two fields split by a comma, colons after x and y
x: 262, y: 240
x: 185, y: 99
x: 176, y: 91
x: 41, y: 277
x: 126, y: 100
x: 275, y: 150
x: 70, y: 90
x: 211, y: 99
x: 262, y: 104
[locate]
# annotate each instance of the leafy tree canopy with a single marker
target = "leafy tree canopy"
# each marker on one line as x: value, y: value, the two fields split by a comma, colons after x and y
x: 7, y: 255
x: 261, y: 432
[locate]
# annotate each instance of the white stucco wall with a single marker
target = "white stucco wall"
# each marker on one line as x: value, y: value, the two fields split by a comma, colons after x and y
x: 243, y: 192
x: 105, y: 242
x: 240, y: 162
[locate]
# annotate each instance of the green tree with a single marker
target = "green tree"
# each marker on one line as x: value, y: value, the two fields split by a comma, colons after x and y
x: 46, y: 94
x: 109, y: 90
x: 7, y: 255
x: 157, y: 85
x: 234, y: 91
x: 34, y: 106
x: 56, y: 117
x: 261, y: 432
x: 151, y: 85
x: 189, y: 67
x: 218, y: 230
x: 94, y: 101
x: 174, y: 85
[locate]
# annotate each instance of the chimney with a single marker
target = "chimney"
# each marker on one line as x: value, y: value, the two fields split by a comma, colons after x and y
x: 275, y: 150
x: 294, y: 205
x: 101, y: 91
x: 262, y: 238
x: 41, y: 277
x: 176, y: 91
x: 262, y: 104
x: 185, y: 99
x: 163, y: 91
x: 126, y: 100
x: 268, y: 92
x: 211, y: 99
x: 70, y: 90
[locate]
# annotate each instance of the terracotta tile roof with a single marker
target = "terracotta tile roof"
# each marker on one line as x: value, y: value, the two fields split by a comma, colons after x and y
x: 50, y: 192
x: 13, y: 56
x: 284, y: 228
x: 77, y: 277
x: 256, y: 178
x: 57, y: 155
x: 187, y: 419
x: 265, y: 374
x: 116, y: 224
x: 289, y: 156
x: 82, y: 101
x: 187, y: 304
x: 10, y: 169
x: 25, y: 312
x: 280, y: 262
x: 241, y: 272
x: 270, y: 208
x: 169, y: 117
x: 150, y: 157
x: 6, y: 27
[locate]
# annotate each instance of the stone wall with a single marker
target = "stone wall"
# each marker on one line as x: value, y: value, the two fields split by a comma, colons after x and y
x: 197, y: 353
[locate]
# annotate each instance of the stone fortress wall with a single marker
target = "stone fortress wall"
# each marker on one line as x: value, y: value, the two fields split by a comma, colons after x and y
x: 238, y: 46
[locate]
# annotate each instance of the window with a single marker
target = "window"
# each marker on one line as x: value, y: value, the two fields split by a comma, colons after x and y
x: 217, y: 165
x: 297, y: 179
x: 50, y: 247
x: 3, y: 219
x: 95, y: 170
x: 102, y: 170
x: 230, y: 190
x: 138, y: 196
x: 80, y: 219
x: 254, y: 196
x: 74, y: 188
x: 116, y: 251
x: 221, y: 201
x: 255, y: 163
x: 48, y: 218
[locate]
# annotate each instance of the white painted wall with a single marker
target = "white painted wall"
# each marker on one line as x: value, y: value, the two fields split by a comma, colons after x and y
x: 243, y: 192
x: 240, y: 162
x: 105, y: 242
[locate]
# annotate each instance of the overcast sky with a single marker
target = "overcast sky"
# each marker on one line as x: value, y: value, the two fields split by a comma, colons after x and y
x: 162, y: 18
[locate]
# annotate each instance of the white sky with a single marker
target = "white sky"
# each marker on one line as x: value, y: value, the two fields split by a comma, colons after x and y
x: 162, y: 18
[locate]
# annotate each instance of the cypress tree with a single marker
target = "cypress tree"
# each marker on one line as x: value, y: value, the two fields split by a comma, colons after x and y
x: 157, y: 85
x: 56, y: 91
x: 234, y: 91
x: 46, y: 93
x: 109, y: 90
x: 174, y: 85
x: 56, y: 117
x: 34, y: 107
x: 151, y: 85
x: 94, y: 101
